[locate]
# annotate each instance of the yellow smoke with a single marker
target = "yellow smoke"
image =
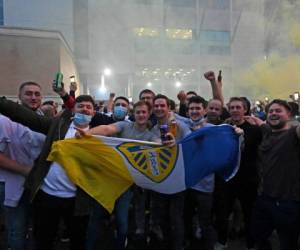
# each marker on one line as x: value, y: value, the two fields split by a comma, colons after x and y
x: 275, y: 77
x: 278, y: 75
x: 294, y: 34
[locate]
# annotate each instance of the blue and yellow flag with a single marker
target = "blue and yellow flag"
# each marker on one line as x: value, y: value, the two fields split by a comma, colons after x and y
x: 105, y: 167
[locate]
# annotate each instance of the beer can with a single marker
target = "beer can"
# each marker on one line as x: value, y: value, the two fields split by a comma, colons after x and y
x: 164, y: 129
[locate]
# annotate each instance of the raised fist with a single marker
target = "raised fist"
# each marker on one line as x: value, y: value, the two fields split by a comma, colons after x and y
x: 210, y: 76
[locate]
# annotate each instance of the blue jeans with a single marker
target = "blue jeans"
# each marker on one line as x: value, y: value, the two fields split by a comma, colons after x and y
x: 281, y: 215
x: 16, y: 220
x: 98, y: 217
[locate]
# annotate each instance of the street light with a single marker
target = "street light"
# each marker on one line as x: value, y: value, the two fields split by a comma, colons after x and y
x: 106, y: 72
x: 177, y: 84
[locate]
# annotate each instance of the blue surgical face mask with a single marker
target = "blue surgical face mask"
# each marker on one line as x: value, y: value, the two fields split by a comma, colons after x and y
x: 82, y: 119
x: 120, y: 112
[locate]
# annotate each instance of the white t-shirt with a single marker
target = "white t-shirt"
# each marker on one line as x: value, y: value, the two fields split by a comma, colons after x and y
x: 57, y: 183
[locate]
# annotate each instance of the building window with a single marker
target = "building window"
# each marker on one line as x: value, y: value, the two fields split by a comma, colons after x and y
x: 214, y: 50
x: 214, y: 4
x: 215, y: 42
x: 1, y: 13
x: 181, y: 34
x: 186, y: 47
x: 147, y: 45
x: 221, y: 4
x: 181, y: 3
x: 146, y: 32
x: 215, y: 37
x: 144, y: 2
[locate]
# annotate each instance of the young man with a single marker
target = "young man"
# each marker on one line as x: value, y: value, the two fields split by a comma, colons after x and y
x: 244, y: 185
x: 30, y: 95
x: 13, y: 135
x: 54, y: 195
x: 167, y: 210
x: 137, y: 130
x: 278, y: 204
x: 19, y: 147
x: 201, y: 195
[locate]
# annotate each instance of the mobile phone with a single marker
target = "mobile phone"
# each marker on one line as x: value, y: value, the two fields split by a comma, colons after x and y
x: 58, y: 80
x: 220, y: 76
x: 72, y: 79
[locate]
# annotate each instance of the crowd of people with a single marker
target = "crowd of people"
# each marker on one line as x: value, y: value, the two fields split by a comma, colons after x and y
x: 37, y: 193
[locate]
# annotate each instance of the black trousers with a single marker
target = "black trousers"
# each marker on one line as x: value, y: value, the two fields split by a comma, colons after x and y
x: 224, y: 197
x: 280, y: 215
x: 167, y: 219
x: 48, y: 210
x: 201, y: 214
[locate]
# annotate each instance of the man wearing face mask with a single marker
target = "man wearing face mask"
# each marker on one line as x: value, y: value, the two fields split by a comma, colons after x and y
x: 120, y: 111
x: 53, y: 194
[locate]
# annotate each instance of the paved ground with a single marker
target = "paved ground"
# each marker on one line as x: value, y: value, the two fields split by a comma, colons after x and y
x: 236, y: 244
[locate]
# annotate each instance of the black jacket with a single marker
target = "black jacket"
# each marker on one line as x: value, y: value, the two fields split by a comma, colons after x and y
x: 55, y: 129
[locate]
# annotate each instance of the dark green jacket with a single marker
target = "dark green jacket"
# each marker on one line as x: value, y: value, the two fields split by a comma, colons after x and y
x: 55, y: 129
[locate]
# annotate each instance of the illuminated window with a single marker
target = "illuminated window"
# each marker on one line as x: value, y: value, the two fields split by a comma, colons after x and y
x: 146, y: 32
x: 184, y: 34
x: 1, y: 13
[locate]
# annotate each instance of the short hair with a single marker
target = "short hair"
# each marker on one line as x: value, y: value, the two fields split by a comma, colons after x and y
x: 279, y: 102
x: 172, y: 104
x: 160, y: 96
x: 191, y: 92
x: 214, y: 99
x: 122, y: 98
x: 142, y: 103
x: 85, y: 98
x: 49, y: 103
x: 198, y: 99
x: 248, y: 104
x: 238, y: 99
x: 29, y: 83
x: 294, y: 108
x: 146, y: 91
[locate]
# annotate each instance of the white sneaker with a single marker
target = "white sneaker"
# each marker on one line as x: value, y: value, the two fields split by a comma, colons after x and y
x: 219, y: 246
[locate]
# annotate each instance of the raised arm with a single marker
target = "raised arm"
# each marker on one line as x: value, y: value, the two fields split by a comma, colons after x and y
x: 216, y: 86
x: 25, y: 116
x: 68, y: 99
x: 106, y: 130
